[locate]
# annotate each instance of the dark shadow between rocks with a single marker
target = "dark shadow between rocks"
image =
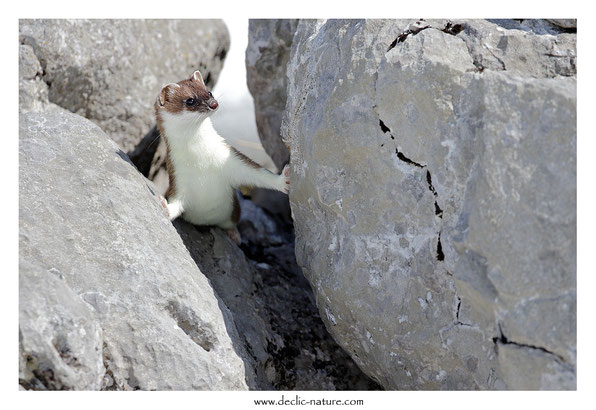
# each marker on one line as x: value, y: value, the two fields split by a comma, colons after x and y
x: 206, y: 246
x: 142, y: 155
x: 272, y: 304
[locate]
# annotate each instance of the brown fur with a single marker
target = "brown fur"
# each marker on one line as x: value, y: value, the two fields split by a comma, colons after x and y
x: 171, y: 191
x: 236, y: 210
x: 174, y: 98
x: 244, y: 158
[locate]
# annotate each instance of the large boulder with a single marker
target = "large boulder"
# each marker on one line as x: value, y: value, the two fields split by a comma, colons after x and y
x: 267, y: 54
x: 433, y: 193
x: 110, y: 298
x: 110, y: 71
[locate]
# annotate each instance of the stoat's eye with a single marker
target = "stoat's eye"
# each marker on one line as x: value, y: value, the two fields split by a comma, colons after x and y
x: 190, y: 102
x: 210, y: 95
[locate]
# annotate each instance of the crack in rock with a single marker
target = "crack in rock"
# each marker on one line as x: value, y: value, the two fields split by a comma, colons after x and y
x: 407, y: 160
x: 420, y: 25
x: 384, y: 128
x: 458, y: 322
x: 438, y: 210
x: 412, y: 29
x: 458, y: 308
x: 189, y: 323
x: 440, y: 254
x: 502, y: 339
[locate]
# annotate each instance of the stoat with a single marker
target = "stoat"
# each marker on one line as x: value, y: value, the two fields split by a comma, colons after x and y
x: 203, y: 169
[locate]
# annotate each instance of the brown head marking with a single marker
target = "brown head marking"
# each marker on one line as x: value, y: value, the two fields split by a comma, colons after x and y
x: 187, y: 95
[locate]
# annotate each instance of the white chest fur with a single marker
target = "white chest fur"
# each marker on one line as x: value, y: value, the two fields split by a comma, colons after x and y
x: 201, y: 166
x: 206, y: 171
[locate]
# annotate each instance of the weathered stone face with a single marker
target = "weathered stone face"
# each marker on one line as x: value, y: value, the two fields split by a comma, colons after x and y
x: 33, y: 91
x: 60, y: 341
x: 433, y: 193
x: 111, y: 71
x: 109, y: 295
x: 267, y: 55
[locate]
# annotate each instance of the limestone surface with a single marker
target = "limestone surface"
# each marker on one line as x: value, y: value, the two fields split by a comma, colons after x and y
x: 433, y: 194
x: 109, y: 295
x: 267, y: 54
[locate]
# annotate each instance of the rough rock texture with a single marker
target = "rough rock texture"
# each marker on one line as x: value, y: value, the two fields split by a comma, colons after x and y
x: 109, y: 295
x: 33, y: 91
x: 272, y: 304
x: 433, y: 193
x: 564, y: 23
x: 522, y: 49
x: 60, y: 340
x: 267, y: 54
x: 110, y: 71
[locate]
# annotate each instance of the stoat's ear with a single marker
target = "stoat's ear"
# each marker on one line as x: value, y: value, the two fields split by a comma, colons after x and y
x: 198, y: 77
x: 165, y: 91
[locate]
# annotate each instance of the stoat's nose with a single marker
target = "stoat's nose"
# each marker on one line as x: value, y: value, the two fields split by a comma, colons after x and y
x: 213, y: 105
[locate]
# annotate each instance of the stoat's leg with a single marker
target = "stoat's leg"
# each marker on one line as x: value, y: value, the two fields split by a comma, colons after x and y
x: 285, y: 173
x: 234, y: 235
x: 243, y: 171
x: 174, y: 208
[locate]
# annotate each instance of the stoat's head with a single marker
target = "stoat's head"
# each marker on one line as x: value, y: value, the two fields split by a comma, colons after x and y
x: 186, y: 100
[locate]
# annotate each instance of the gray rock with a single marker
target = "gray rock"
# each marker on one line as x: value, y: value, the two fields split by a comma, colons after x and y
x: 29, y: 67
x: 564, y: 23
x: 232, y: 277
x: 525, y: 50
x: 533, y: 26
x: 537, y: 371
x: 60, y: 340
x: 272, y: 305
x: 110, y: 297
x: 433, y: 194
x: 267, y: 54
x: 110, y: 71
x: 33, y: 91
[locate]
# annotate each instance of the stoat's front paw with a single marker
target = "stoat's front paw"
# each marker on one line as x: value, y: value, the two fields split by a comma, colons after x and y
x: 285, y: 177
x: 164, y: 204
